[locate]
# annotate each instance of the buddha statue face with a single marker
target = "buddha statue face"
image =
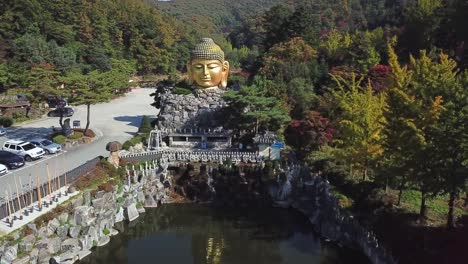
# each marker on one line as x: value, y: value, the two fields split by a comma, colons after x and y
x: 207, y: 67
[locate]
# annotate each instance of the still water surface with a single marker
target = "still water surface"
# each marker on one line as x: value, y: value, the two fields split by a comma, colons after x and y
x: 188, y: 233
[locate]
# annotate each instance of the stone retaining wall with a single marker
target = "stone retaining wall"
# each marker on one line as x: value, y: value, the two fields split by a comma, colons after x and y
x: 315, y: 200
x: 91, y: 222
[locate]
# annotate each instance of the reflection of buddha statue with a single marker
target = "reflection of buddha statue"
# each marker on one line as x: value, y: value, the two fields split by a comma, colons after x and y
x: 207, y: 67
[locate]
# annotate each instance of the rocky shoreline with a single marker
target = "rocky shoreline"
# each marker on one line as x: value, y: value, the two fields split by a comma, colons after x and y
x: 89, y: 221
x: 93, y: 217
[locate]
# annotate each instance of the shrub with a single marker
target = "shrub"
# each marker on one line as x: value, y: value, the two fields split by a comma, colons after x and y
x: 106, y: 231
x: 106, y: 186
x: 154, y: 122
x: 180, y: 90
x: 6, y: 121
x: 127, y: 144
x: 76, y: 135
x: 109, y: 168
x: 90, y: 133
x: 120, y: 199
x: 343, y: 200
x: 59, y: 139
x: 97, y: 176
x: 145, y: 126
x: 132, y: 142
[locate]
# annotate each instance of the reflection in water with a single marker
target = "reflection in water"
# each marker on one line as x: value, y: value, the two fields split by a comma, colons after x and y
x: 188, y: 233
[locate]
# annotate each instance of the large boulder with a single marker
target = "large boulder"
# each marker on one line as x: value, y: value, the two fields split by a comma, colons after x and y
x: 71, y: 244
x: 132, y: 212
x: 62, y: 231
x: 141, y: 197
x: 74, y: 231
x: 10, y: 254
x: 84, y: 216
x: 87, y: 198
x: 86, y: 242
x: 23, y: 260
x: 27, y: 243
x: 103, y: 241
x: 52, y: 226
x: 150, y: 202
x: 69, y: 257
x: 54, y: 245
x: 33, y: 228
x: 43, y: 256
x: 63, y: 218
x: 77, y: 202
x: 99, y: 203
x: 92, y: 232
x: 119, y: 216
x: 33, y: 255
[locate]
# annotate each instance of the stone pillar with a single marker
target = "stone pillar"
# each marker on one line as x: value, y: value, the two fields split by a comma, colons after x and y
x: 170, y: 141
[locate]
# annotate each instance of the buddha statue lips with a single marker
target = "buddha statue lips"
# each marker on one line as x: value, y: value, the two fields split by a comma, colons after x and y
x: 207, y: 67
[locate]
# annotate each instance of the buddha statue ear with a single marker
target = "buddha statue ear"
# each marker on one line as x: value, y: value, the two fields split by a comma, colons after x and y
x: 189, y: 72
x: 224, y: 74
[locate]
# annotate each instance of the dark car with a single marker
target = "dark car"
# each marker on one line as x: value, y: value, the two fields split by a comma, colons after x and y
x: 55, y: 102
x: 67, y: 112
x: 11, y: 160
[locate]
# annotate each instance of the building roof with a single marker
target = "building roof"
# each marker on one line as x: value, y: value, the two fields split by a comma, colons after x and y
x: 265, y: 138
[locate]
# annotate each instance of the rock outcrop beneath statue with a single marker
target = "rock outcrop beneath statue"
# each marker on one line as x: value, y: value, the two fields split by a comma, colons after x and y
x: 191, y: 111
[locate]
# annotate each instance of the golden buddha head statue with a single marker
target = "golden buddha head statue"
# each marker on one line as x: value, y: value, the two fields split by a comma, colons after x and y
x: 207, y: 67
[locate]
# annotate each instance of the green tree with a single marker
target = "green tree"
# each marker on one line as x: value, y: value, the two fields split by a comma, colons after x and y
x: 449, y: 145
x: 359, y: 124
x: 88, y: 89
x: 415, y: 104
x: 250, y: 108
x: 43, y: 81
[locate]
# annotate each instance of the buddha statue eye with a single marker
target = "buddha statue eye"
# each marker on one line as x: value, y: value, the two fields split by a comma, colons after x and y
x: 198, y: 66
x: 213, y: 66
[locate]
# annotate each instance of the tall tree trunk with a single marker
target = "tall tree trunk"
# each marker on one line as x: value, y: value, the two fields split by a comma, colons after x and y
x: 466, y: 199
x: 61, y: 120
x: 423, y: 208
x: 400, y: 191
x: 450, y: 216
x: 366, y: 169
x: 386, y: 184
x: 87, y: 118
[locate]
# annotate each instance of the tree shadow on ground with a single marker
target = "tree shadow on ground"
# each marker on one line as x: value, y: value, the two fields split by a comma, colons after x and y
x: 130, y: 120
x: 412, y: 242
x: 15, y: 133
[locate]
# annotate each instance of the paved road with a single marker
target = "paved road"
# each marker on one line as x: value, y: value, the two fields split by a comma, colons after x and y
x: 117, y: 120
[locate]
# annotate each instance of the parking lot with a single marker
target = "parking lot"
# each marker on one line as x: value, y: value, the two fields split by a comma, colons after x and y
x: 117, y: 120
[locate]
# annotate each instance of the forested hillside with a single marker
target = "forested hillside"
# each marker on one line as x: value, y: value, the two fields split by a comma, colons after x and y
x: 83, y: 36
x: 211, y: 16
x: 372, y: 95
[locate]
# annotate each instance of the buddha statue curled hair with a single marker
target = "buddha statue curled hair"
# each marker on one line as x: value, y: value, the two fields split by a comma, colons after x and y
x: 207, y: 68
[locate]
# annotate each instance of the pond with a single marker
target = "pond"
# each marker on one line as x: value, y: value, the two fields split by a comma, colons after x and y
x: 190, y: 233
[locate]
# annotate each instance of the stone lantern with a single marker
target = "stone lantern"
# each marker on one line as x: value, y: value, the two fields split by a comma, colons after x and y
x: 113, y: 147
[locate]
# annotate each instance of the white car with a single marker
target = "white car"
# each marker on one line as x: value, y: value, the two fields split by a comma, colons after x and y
x: 3, y: 169
x: 25, y: 149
